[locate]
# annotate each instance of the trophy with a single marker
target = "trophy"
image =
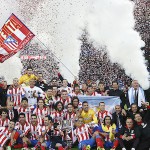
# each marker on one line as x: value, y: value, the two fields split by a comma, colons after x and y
x: 66, y: 126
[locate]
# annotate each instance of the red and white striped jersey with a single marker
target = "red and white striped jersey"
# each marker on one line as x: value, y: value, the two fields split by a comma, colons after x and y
x: 96, y: 94
x: 27, y: 111
x: 41, y: 113
x: 101, y: 115
x: 43, y: 129
x: 4, y: 123
x: 69, y: 116
x: 35, y: 130
x: 4, y: 135
x: 58, y: 116
x: 24, y: 128
x: 82, y: 133
x: 66, y: 101
x: 56, y: 99
x: 16, y: 95
x: 75, y: 94
x: 68, y: 89
x: 93, y: 94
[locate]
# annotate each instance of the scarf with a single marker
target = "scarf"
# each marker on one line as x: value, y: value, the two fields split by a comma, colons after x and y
x: 109, y: 130
x: 141, y: 96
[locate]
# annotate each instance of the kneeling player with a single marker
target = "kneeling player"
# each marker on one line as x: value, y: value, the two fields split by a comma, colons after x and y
x: 105, y: 135
x: 5, y: 134
x: 82, y: 133
x: 44, y: 139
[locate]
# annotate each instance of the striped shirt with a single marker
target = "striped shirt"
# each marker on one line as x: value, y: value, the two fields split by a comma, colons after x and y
x: 4, y: 135
x: 35, y: 130
x: 82, y: 133
x: 27, y: 111
x: 41, y: 113
x: 16, y: 94
x: 23, y: 128
x: 4, y: 123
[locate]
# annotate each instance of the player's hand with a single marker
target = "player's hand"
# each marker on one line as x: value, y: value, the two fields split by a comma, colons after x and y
x: 21, y: 135
x: 114, y: 131
x: 124, y: 137
x: 123, y: 112
x: 129, y: 138
x: 35, y: 95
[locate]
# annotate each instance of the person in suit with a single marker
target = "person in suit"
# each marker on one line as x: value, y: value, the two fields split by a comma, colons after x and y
x: 12, y: 113
x: 116, y: 92
x: 135, y: 95
x: 118, y: 117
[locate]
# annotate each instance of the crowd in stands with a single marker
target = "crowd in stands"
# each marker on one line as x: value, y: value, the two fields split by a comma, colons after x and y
x: 51, y: 116
x: 142, y: 24
x: 95, y: 65
x: 46, y: 61
x: 42, y: 110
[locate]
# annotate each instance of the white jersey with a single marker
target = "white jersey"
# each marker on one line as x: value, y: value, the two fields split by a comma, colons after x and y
x: 29, y: 94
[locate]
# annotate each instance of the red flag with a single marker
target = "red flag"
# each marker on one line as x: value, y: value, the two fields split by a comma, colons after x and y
x: 14, y: 35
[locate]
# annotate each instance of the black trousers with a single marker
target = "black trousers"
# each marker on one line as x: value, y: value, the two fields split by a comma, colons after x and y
x: 129, y: 144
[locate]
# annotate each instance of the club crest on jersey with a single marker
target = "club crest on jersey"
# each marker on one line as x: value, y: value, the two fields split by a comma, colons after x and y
x: 11, y: 43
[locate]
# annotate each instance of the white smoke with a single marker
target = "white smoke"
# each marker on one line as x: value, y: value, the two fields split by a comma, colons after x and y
x: 111, y: 22
x: 61, y: 22
x: 58, y: 25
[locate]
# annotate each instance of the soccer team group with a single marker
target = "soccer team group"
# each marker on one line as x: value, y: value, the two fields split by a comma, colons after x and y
x: 37, y: 116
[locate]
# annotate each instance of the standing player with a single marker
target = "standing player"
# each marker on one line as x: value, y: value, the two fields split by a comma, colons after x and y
x: 70, y: 114
x: 15, y: 93
x: 88, y: 114
x: 65, y: 99
x: 65, y: 86
x: 12, y: 113
x: 24, y: 79
x: 76, y: 103
x: 59, y: 113
x: 33, y: 92
x: 26, y: 109
x: 102, y: 112
x: 49, y: 100
x: 41, y: 111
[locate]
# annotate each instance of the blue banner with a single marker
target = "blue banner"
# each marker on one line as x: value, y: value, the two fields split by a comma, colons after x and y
x: 93, y: 101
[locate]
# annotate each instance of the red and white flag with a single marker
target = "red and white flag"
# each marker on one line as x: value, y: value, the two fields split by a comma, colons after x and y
x: 14, y: 35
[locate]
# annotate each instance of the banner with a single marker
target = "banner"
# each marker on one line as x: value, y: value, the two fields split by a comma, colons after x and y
x: 14, y: 35
x: 93, y: 101
x: 29, y: 57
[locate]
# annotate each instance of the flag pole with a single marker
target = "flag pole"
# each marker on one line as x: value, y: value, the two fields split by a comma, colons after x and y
x: 56, y: 57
